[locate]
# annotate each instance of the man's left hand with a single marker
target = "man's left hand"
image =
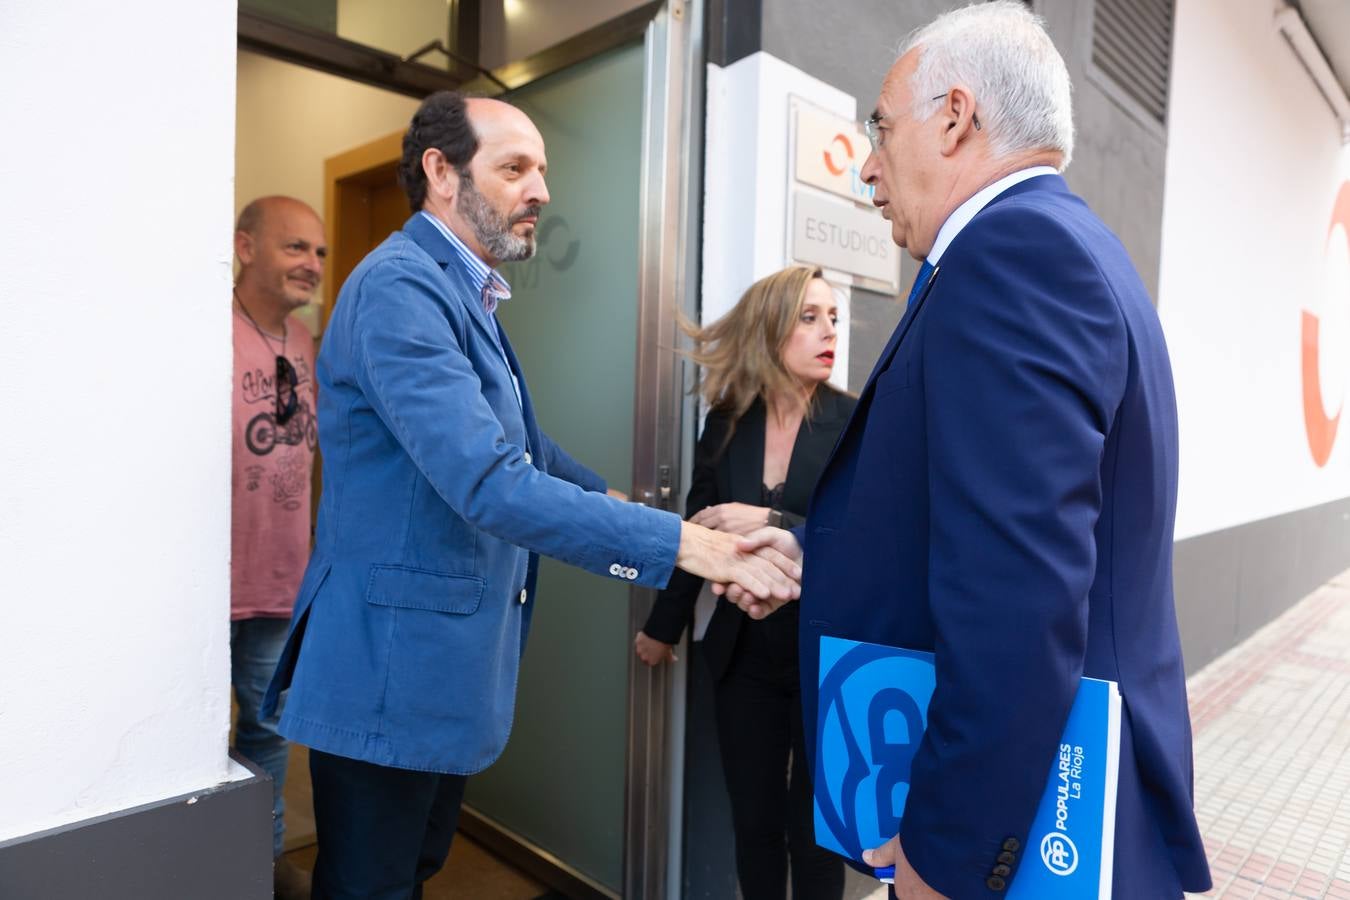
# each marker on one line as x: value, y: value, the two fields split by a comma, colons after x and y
x: 908, y: 884
x: 736, y: 518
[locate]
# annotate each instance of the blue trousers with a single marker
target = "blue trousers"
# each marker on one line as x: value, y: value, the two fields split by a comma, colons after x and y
x: 382, y: 831
x: 255, y: 648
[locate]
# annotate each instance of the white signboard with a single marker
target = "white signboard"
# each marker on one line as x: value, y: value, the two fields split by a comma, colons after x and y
x: 844, y: 237
x: 830, y: 151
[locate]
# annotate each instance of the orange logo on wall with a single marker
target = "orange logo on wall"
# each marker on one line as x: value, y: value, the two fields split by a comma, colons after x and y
x: 1321, y: 427
x: 843, y: 140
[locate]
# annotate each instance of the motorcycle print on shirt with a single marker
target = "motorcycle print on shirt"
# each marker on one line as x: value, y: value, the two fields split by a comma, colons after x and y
x: 282, y: 450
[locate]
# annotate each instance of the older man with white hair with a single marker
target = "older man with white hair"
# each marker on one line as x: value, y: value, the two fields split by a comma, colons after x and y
x: 1005, y: 494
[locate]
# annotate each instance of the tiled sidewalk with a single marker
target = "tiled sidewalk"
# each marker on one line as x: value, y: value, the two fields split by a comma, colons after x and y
x: 1272, y: 755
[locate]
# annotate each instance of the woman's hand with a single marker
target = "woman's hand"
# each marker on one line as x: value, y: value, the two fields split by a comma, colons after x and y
x: 653, y: 652
x: 733, y: 518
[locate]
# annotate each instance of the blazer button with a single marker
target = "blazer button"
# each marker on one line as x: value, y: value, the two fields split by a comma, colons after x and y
x: 1007, y: 858
x: 631, y: 574
x: 523, y: 595
x: 529, y: 460
x: 1002, y: 871
x: 1012, y: 845
x: 616, y: 570
x: 994, y: 883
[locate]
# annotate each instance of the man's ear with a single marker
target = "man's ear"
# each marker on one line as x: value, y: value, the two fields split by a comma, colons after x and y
x: 958, y: 119
x: 243, y: 247
x: 442, y: 179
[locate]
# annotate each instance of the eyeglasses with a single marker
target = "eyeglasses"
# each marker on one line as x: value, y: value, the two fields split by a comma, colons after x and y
x: 287, y: 400
x: 872, y: 127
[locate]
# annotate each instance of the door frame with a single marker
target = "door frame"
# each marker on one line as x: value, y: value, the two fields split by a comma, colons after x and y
x: 347, y: 178
x: 669, y: 232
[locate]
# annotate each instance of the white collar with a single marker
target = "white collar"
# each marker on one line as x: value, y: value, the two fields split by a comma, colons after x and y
x: 961, y: 217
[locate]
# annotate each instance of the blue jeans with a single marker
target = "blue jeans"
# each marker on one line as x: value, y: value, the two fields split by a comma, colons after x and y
x: 255, y: 648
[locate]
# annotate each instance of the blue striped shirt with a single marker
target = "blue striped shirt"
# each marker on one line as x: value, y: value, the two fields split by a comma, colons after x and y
x: 491, y: 286
x: 486, y: 279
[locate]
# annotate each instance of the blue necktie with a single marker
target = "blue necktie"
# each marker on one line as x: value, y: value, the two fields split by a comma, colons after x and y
x: 925, y: 272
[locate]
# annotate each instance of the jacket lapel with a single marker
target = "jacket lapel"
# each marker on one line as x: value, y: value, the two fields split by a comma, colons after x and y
x: 900, y: 331
x: 526, y: 407
x: 746, y: 455
x: 814, y: 441
x: 429, y: 238
x: 865, y: 396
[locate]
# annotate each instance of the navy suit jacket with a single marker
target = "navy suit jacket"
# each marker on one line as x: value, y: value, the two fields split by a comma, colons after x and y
x: 439, y: 489
x: 1004, y: 497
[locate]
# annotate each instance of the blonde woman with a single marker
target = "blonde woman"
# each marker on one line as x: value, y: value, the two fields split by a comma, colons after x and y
x: 772, y: 422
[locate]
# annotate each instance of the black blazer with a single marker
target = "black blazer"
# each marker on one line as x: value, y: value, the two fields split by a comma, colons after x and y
x: 735, y: 474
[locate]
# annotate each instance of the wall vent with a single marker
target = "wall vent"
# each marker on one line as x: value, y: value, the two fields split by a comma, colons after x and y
x: 1132, y: 46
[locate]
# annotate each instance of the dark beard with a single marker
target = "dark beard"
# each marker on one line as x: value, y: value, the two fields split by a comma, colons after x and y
x: 492, y: 229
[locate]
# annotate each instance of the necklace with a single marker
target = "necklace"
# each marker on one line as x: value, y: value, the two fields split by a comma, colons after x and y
x: 286, y: 381
x: 266, y: 338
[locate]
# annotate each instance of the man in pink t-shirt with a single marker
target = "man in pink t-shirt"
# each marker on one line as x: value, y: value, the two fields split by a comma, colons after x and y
x: 281, y: 249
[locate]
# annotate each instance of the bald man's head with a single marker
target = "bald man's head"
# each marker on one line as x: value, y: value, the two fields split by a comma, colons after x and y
x: 281, y: 248
x: 252, y: 216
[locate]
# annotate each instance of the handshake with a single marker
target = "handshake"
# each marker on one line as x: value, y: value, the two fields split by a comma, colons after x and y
x: 759, y: 571
x: 753, y: 565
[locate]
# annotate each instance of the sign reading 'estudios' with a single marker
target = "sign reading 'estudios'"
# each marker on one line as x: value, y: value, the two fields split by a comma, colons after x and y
x: 845, y: 238
x: 846, y: 234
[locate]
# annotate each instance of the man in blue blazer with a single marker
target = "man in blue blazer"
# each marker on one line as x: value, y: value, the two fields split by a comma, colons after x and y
x: 1004, y: 494
x: 439, y: 491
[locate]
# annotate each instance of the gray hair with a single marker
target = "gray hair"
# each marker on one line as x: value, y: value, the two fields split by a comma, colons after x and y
x: 1002, y: 53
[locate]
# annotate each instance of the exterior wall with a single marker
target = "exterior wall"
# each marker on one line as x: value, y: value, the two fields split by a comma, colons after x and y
x: 1248, y: 250
x: 1251, y: 156
x: 114, y: 380
x: 1118, y: 162
x: 1251, y: 256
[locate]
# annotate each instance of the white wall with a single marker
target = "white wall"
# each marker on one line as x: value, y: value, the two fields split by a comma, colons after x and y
x: 114, y: 386
x: 1254, y: 164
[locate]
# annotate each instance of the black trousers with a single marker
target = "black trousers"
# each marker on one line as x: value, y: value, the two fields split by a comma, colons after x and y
x: 382, y: 831
x: 759, y: 730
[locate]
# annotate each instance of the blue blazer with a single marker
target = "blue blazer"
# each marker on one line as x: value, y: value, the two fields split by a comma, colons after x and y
x: 439, y: 490
x: 1004, y: 497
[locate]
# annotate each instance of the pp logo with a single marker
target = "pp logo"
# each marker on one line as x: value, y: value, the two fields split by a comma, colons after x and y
x: 867, y: 733
x: 1059, y: 854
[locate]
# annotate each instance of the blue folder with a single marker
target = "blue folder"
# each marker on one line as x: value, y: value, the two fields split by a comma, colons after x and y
x: 872, y: 711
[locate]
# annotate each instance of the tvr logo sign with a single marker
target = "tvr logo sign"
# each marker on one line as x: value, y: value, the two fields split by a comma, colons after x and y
x: 1322, y: 426
x: 841, y: 162
x: 830, y: 151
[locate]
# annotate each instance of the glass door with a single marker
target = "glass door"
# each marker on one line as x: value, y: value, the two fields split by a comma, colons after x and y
x: 573, y: 319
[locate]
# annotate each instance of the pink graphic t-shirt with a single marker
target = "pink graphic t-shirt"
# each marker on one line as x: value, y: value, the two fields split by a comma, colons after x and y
x: 269, y: 533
